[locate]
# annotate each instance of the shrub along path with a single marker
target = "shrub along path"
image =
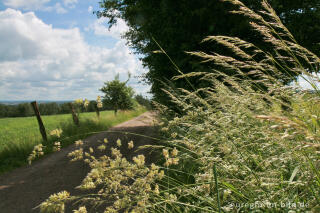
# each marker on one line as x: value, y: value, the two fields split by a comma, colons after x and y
x: 25, y: 188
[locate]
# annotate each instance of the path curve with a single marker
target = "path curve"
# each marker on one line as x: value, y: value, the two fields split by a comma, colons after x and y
x: 24, y: 188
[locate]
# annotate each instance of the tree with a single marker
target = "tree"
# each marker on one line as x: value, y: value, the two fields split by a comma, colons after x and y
x: 49, y: 108
x: 143, y: 101
x: 118, y: 95
x: 179, y: 26
x: 24, y: 110
x: 92, y: 106
x: 65, y: 108
x: 3, y: 111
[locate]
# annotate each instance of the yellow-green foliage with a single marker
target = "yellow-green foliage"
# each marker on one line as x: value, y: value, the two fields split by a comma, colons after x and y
x: 120, y: 184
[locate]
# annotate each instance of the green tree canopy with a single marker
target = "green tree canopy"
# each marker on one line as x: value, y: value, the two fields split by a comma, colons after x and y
x: 179, y: 26
x: 143, y: 101
x: 118, y: 95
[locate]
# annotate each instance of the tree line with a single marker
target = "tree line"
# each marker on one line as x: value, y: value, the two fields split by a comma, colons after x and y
x: 53, y: 108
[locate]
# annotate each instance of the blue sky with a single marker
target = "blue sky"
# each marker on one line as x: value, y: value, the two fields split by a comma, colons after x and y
x: 59, y: 50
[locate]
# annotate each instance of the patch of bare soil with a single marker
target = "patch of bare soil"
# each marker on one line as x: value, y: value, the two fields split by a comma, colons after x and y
x: 25, y: 188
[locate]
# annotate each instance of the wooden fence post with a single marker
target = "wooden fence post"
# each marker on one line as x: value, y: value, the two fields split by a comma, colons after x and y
x: 74, y: 115
x: 41, y: 126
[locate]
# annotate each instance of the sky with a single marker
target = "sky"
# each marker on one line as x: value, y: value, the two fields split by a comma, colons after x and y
x: 60, y: 50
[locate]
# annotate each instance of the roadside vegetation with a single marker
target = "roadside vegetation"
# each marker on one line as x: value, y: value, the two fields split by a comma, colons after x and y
x: 244, y: 142
x: 18, y: 136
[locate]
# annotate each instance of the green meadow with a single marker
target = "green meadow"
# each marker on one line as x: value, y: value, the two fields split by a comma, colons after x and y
x: 18, y: 136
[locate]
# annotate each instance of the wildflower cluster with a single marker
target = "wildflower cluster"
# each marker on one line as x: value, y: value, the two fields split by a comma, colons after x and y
x: 118, y: 142
x: 130, y: 145
x: 121, y: 185
x: 36, y: 152
x: 170, y: 160
x: 76, y: 155
x: 86, y: 103
x: 38, y: 149
x: 99, y: 102
x: 55, y: 203
x: 56, y: 132
x: 82, y: 209
x: 78, y: 143
x: 78, y: 101
x: 57, y: 144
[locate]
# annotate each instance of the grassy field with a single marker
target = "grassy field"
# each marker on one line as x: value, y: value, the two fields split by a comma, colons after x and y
x: 19, y: 135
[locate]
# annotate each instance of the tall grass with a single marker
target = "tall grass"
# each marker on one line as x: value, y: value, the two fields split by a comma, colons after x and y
x: 246, y: 143
x: 20, y: 135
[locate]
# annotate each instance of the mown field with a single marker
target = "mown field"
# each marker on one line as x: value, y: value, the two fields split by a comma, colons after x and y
x: 18, y: 136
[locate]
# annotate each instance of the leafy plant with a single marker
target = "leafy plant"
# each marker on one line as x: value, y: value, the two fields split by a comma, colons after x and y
x: 117, y: 94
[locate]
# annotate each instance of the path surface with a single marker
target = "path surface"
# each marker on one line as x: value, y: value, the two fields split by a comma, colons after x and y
x: 24, y: 188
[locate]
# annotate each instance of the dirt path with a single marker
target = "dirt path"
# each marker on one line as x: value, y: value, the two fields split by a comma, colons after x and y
x: 23, y: 189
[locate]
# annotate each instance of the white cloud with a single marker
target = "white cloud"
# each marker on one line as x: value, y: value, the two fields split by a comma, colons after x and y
x: 26, y: 4
x: 306, y: 82
x: 99, y: 27
x: 90, y: 9
x: 38, y: 61
x: 58, y: 8
x: 34, y: 5
x: 70, y: 3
